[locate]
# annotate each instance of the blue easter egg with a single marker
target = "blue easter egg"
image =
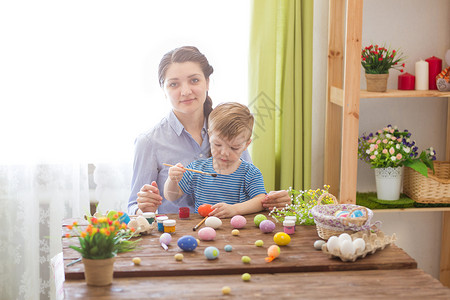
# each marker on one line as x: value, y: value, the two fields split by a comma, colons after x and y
x: 211, y: 252
x: 228, y: 248
x: 125, y: 218
x: 187, y: 243
x: 357, y: 214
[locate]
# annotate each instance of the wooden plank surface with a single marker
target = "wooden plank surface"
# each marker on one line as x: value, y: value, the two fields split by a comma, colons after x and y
x: 381, y: 284
x: 298, y: 256
x: 403, y: 94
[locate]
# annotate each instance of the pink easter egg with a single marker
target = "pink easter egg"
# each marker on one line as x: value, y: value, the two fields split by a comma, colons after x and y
x: 342, y: 214
x: 238, y: 221
x: 267, y: 226
x: 207, y: 234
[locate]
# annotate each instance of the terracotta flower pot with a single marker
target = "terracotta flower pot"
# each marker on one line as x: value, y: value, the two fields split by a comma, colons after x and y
x: 376, y: 82
x: 99, y: 272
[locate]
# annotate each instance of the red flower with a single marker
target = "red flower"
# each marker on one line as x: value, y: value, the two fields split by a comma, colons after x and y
x: 380, y: 59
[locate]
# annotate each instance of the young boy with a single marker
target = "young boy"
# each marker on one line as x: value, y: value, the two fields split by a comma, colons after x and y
x: 238, y: 187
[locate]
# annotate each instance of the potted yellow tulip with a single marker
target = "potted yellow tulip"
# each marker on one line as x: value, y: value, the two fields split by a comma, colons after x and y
x: 100, y: 242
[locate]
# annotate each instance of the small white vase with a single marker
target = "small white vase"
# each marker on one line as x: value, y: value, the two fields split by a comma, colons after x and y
x: 389, y: 183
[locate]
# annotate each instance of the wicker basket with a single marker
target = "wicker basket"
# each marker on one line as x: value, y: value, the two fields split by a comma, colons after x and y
x: 328, y: 224
x: 432, y: 189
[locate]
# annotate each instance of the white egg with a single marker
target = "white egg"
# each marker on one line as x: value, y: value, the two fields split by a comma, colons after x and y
x: 333, y: 244
x: 318, y: 244
x: 213, y: 222
x: 347, y: 248
x: 359, y: 245
x: 345, y: 236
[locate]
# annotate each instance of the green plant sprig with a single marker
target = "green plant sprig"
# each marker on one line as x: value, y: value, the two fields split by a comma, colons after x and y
x: 301, y: 204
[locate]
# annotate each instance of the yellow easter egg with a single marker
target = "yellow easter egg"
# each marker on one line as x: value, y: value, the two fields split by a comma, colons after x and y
x: 281, y: 239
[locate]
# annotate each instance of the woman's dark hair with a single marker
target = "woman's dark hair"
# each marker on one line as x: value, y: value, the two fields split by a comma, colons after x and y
x: 187, y: 54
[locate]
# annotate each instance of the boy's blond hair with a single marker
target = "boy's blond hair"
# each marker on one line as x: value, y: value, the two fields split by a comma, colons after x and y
x: 230, y: 119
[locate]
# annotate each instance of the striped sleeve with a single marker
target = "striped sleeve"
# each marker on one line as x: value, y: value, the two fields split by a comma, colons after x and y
x: 186, y: 183
x: 254, y: 182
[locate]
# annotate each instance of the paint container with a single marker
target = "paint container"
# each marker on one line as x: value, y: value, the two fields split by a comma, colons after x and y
x: 160, y: 221
x: 291, y: 218
x: 150, y: 216
x: 183, y: 212
x: 289, y: 226
x: 169, y: 226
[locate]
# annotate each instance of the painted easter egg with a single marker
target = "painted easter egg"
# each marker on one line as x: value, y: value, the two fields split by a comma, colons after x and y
x: 228, y: 248
x: 238, y: 221
x: 273, y: 251
x: 267, y: 226
x: 341, y: 214
x: 356, y: 214
x: 281, y: 239
x: 187, y: 243
x: 124, y: 218
x: 258, y: 219
x: 165, y: 238
x: 207, y: 234
x: 211, y: 252
x: 213, y: 222
x: 204, y: 209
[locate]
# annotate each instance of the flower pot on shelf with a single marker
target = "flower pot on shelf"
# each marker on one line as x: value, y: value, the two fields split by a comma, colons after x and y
x: 99, y: 272
x: 376, y: 82
x: 388, y: 182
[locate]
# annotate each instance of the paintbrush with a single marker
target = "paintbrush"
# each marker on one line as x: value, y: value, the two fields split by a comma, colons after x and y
x: 196, y: 171
x: 199, y: 224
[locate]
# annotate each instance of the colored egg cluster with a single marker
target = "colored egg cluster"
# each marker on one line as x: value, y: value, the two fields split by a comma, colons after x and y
x: 344, y: 214
x: 258, y: 219
x: 187, y: 243
x: 207, y: 234
x: 281, y: 239
x: 204, y: 209
x: 213, y: 222
x: 267, y: 226
x: 211, y: 252
x: 228, y: 248
x: 165, y: 238
x: 246, y: 259
x: 238, y: 221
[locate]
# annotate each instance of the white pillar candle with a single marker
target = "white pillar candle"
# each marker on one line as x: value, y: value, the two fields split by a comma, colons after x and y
x: 421, y: 75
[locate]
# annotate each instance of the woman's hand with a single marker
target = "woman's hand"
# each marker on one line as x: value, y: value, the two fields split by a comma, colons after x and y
x: 176, y: 172
x: 223, y: 210
x: 148, y: 198
x: 276, y: 199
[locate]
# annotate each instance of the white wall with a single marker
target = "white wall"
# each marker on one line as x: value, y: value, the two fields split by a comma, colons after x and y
x: 421, y: 29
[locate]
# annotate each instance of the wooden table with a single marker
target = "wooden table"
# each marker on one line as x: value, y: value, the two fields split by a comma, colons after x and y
x: 299, y: 270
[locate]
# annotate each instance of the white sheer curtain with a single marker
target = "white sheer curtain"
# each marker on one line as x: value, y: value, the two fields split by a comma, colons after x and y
x: 78, y: 83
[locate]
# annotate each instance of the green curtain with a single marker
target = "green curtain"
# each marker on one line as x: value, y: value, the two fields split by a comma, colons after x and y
x: 280, y: 91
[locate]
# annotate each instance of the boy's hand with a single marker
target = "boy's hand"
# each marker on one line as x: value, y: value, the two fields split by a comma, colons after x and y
x: 223, y: 210
x: 176, y: 172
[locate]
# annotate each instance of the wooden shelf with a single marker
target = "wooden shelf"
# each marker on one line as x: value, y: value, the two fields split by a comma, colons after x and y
x: 402, y: 94
x: 413, y: 209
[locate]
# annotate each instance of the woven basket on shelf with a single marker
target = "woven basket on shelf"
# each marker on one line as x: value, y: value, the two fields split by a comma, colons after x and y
x: 432, y: 189
x: 328, y: 224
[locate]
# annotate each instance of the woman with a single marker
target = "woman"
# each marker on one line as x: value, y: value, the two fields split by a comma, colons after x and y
x: 179, y: 137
